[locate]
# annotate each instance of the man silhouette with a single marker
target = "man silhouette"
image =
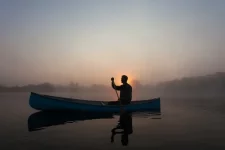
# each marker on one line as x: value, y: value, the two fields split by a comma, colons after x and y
x: 125, y: 91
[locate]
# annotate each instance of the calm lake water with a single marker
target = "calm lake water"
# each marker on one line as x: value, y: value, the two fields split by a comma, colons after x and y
x: 184, y: 124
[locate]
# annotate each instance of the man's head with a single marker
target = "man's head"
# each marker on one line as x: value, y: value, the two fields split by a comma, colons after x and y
x: 124, y: 79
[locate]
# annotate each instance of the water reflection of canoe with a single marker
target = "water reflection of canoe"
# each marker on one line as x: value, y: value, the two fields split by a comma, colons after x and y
x: 45, y: 102
x: 42, y: 119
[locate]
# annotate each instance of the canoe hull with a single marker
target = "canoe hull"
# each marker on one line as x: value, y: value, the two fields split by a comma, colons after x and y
x: 50, y: 103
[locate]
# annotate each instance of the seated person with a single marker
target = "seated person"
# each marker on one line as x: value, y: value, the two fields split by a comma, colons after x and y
x: 125, y: 92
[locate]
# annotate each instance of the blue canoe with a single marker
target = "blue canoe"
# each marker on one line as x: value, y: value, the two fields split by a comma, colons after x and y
x: 46, y: 102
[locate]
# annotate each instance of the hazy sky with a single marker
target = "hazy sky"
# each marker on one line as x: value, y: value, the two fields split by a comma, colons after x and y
x: 89, y: 41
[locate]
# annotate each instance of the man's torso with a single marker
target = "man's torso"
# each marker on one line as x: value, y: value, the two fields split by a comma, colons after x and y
x: 125, y: 93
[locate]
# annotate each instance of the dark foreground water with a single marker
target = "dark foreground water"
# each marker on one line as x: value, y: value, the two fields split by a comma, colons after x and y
x: 184, y: 124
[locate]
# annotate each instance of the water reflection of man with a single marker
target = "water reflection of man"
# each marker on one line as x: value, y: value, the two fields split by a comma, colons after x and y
x: 126, y: 127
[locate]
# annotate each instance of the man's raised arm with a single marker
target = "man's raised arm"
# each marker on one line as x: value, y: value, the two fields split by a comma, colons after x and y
x: 114, y: 85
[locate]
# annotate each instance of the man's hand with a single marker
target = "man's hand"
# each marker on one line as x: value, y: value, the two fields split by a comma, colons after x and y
x: 112, y: 79
x: 113, y: 83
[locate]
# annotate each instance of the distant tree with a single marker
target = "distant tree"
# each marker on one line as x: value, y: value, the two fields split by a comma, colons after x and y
x: 136, y: 84
x: 73, y: 87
